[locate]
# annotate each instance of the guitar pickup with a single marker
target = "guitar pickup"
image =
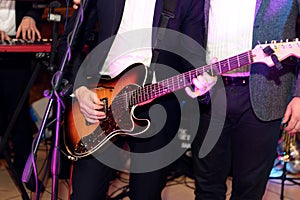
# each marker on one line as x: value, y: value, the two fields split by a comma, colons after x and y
x: 105, y: 107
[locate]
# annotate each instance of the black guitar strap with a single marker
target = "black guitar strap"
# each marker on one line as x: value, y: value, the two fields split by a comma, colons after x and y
x: 167, y: 13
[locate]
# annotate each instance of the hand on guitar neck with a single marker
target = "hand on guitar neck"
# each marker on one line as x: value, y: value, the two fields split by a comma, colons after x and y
x: 202, y: 83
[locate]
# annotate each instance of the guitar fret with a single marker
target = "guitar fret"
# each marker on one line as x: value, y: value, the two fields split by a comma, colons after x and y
x: 155, y: 90
x: 174, y: 83
x: 147, y: 93
x: 165, y: 86
x: 136, y: 96
x: 139, y: 96
x: 244, y: 59
x: 168, y: 86
x: 249, y: 57
x: 169, y: 83
x: 160, y: 89
x: 144, y: 94
x: 228, y: 63
x: 211, y: 69
x: 177, y: 82
x: 232, y: 63
x: 190, y: 76
x: 220, y: 69
x: 181, y: 81
x: 223, y: 64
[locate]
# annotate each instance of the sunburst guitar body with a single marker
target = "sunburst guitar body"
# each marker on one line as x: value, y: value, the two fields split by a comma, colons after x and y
x: 83, y: 138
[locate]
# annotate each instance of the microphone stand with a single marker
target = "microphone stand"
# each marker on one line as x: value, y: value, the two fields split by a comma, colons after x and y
x: 54, y: 96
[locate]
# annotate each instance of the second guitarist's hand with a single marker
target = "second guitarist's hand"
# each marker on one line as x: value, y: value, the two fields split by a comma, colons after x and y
x: 292, y: 116
x: 90, y: 105
x: 202, y: 83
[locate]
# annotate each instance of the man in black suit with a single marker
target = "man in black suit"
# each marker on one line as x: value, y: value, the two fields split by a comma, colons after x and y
x: 91, y: 177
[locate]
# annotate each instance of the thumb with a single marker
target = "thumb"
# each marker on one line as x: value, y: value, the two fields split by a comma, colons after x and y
x: 191, y: 93
x: 287, y: 115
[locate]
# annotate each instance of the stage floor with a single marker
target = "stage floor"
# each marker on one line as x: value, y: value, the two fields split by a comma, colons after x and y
x: 178, y: 188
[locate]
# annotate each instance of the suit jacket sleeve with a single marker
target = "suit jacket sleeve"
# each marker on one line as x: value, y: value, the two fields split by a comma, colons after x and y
x: 297, y: 86
x: 81, y: 38
x: 26, y: 9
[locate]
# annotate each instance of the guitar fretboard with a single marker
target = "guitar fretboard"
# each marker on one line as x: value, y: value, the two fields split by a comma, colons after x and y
x: 180, y: 81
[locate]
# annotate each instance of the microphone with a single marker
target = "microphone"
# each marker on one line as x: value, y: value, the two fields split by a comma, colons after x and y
x: 52, y: 16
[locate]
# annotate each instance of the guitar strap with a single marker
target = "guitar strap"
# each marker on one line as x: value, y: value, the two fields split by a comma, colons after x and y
x: 167, y: 13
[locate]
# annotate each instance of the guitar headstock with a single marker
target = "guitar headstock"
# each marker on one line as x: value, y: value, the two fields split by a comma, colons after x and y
x: 281, y: 50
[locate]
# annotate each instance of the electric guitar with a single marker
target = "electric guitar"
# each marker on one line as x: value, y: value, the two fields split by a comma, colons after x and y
x: 124, y: 93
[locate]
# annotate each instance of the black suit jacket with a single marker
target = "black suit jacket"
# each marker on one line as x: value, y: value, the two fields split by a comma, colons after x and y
x: 189, y: 20
x: 270, y: 89
x: 24, y: 8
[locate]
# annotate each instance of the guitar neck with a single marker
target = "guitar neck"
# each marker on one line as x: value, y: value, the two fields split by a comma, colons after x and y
x: 152, y: 91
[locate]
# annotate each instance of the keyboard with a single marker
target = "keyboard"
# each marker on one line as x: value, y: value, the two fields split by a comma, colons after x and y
x: 21, y: 46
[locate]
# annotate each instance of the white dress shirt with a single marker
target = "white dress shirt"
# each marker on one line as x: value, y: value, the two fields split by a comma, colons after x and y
x: 8, y: 17
x: 132, y: 43
x: 230, y: 30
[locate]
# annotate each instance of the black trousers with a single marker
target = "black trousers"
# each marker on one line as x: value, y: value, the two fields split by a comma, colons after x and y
x: 14, y: 76
x: 245, y: 150
x: 91, y: 177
